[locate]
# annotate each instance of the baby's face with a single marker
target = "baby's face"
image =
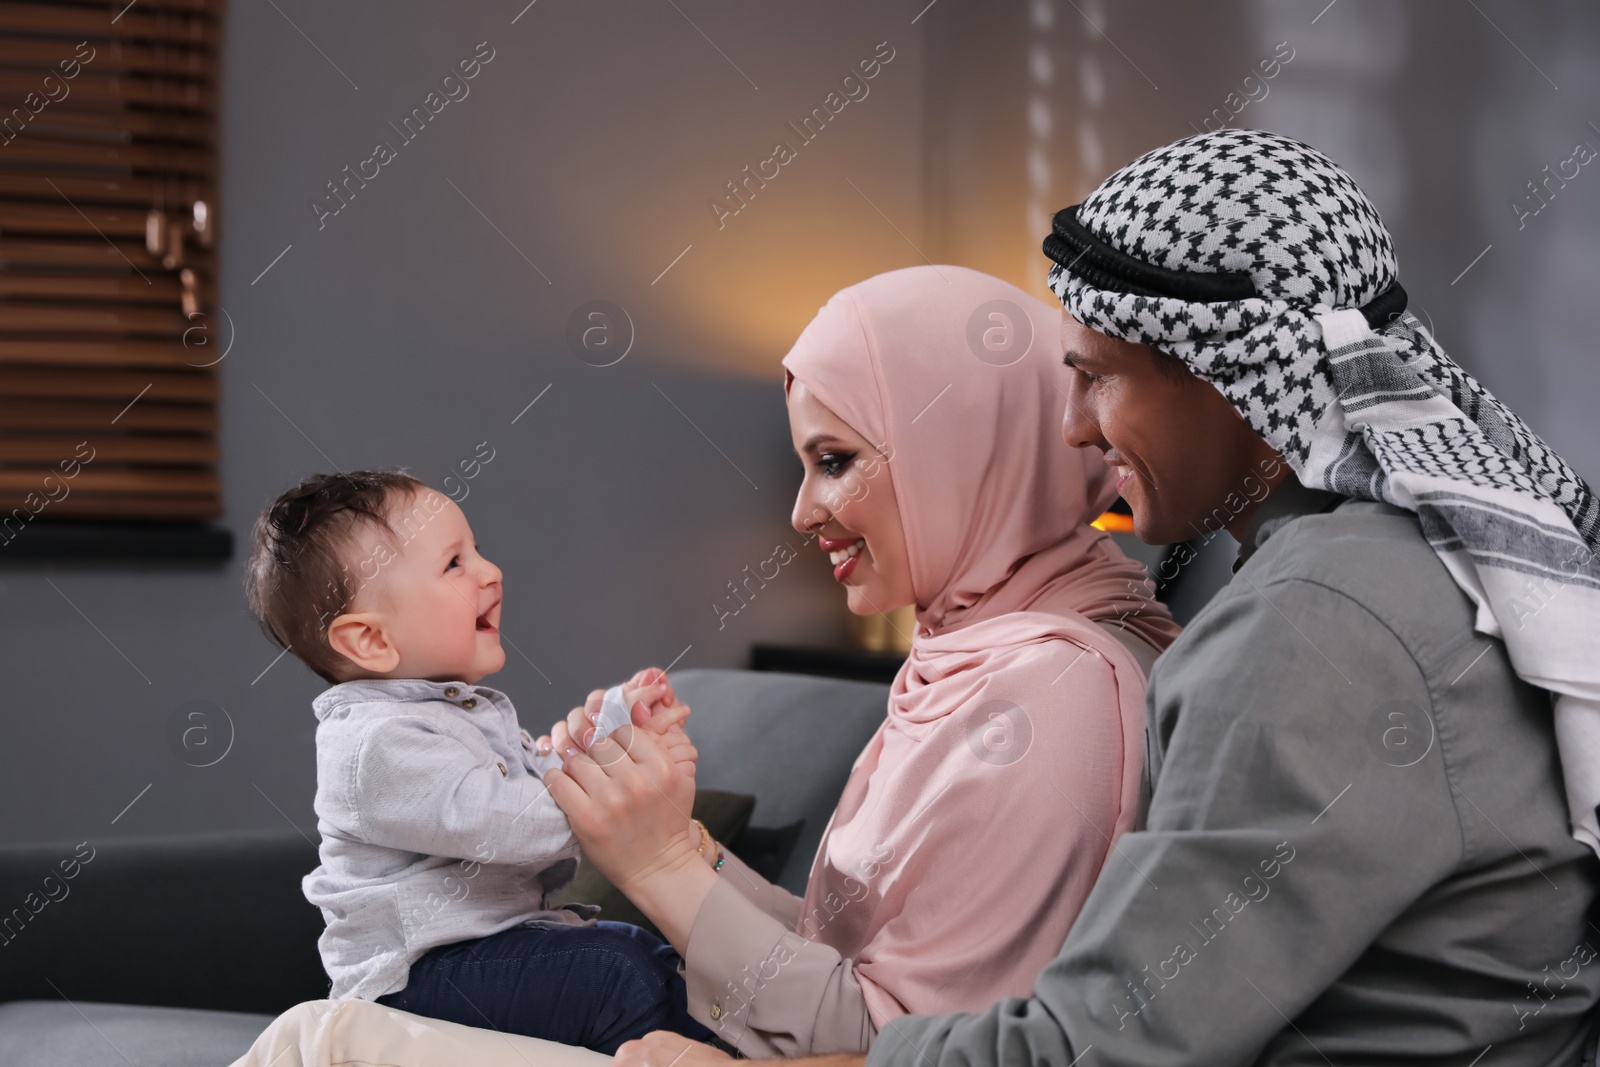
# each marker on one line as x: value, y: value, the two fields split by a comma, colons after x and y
x: 438, y: 600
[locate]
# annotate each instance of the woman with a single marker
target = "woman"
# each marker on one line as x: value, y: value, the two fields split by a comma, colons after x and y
x: 977, y: 818
x: 1012, y: 755
x: 1375, y: 750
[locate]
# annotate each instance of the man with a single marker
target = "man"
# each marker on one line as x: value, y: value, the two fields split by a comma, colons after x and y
x: 1358, y: 846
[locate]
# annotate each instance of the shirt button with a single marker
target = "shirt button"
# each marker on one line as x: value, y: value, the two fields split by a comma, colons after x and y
x: 716, y: 1011
x: 502, y: 767
x: 527, y: 738
x: 470, y: 702
x: 451, y: 691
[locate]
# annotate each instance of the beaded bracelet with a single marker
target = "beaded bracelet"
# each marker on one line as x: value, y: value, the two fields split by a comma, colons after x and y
x: 705, y: 839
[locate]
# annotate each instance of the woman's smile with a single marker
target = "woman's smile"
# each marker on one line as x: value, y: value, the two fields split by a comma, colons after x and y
x: 847, y: 502
x: 843, y: 552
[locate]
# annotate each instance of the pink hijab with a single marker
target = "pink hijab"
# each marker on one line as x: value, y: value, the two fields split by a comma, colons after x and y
x: 976, y: 820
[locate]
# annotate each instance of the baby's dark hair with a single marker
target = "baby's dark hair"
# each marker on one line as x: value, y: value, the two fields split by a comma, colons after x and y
x: 297, y: 580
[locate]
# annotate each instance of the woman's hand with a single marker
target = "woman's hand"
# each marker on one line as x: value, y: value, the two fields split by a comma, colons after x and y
x: 629, y: 806
x: 668, y: 724
x: 652, y: 704
x: 654, y: 707
x: 663, y: 1048
x: 648, y: 687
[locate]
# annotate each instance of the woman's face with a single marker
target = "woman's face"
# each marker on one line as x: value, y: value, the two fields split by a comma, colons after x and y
x: 848, y: 502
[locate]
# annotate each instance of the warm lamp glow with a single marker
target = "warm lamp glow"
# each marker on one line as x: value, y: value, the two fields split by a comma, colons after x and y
x: 1111, y: 522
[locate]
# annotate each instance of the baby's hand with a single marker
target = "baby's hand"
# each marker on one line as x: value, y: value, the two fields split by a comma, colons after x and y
x: 651, y: 702
x: 655, y: 706
x: 664, y: 716
x: 653, y: 677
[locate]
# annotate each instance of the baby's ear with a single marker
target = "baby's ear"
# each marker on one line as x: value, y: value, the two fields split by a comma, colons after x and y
x: 360, y: 638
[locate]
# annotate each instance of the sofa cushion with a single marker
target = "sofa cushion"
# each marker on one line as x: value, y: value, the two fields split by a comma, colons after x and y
x: 40, y: 1033
x: 164, y: 921
x: 786, y: 739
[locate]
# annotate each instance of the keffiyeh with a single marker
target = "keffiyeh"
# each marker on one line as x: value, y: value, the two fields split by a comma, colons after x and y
x: 1263, y: 266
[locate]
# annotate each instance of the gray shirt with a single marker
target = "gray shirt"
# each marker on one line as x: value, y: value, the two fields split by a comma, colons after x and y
x: 1357, y: 846
x: 436, y: 827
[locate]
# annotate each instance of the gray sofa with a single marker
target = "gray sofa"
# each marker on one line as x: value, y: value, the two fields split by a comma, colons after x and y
x: 177, y: 952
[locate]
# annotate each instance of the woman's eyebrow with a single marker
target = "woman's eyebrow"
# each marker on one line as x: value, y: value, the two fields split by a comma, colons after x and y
x: 1072, y: 357
x: 817, y: 441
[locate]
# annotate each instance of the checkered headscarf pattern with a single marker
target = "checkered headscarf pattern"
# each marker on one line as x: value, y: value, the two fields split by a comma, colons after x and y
x: 1310, y: 240
x: 1384, y: 415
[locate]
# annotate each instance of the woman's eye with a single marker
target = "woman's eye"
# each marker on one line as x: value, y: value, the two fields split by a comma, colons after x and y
x: 833, y: 464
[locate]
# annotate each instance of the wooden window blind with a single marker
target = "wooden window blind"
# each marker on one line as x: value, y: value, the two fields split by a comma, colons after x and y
x: 108, y: 341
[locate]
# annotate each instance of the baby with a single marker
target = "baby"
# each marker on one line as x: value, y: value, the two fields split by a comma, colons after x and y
x: 440, y: 844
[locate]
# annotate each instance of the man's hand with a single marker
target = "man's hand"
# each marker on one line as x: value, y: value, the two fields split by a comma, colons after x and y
x: 663, y: 1048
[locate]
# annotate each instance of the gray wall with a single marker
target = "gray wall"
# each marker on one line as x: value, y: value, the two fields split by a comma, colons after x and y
x: 410, y: 327
x: 415, y: 324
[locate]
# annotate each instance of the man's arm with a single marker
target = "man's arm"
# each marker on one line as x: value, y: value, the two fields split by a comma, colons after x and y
x: 1280, y: 844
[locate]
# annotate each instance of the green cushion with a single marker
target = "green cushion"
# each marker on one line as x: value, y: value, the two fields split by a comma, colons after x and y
x: 725, y: 815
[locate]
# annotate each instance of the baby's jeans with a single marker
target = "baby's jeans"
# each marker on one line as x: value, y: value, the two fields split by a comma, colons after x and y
x: 594, y: 986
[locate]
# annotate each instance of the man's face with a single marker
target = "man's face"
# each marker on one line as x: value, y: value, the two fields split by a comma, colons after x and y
x: 1186, y: 462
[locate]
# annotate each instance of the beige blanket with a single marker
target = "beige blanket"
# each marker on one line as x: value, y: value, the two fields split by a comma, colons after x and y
x: 360, y: 1033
